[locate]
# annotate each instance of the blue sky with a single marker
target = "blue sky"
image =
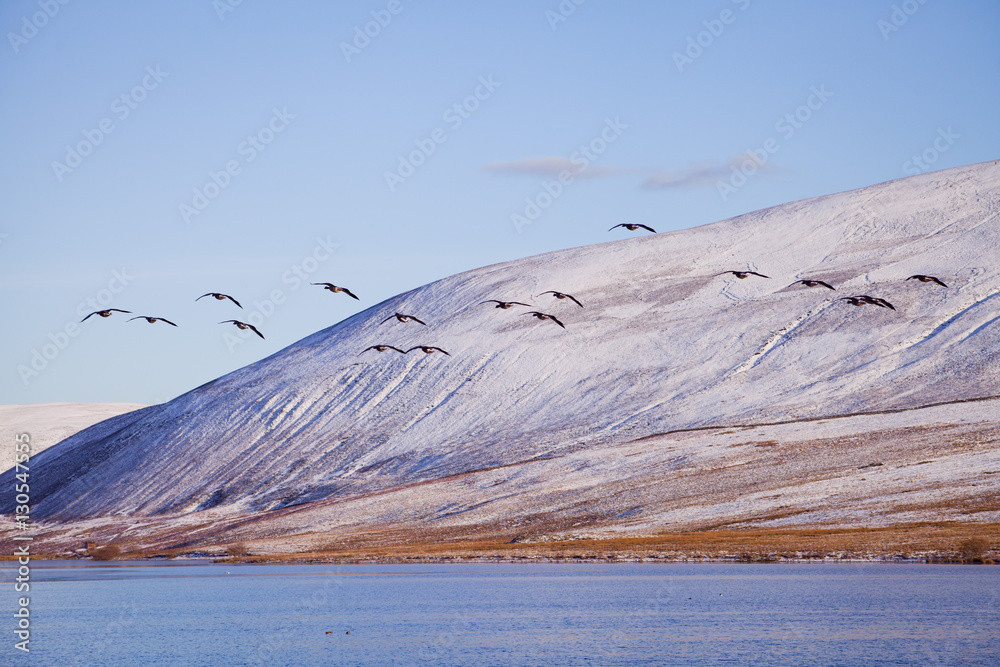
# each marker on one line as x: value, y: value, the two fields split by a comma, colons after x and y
x: 156, y: 151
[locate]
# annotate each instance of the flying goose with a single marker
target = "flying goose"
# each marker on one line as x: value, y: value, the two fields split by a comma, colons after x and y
x: 106, y: 313
x: 244, y: 325
x: 426, y: 349
x: 544, y: 316
x: 381, y: 348
x: 333, y: 288
x: 504, y: 304
x: 742, y: 274
x: 562, y: 295
x: 219, y: 296
x: 863, y: 299
x: 927, y: 279
x: 632, y: 226
x: 814, y: 283
x: 152, y: 320
x: 403, y: 318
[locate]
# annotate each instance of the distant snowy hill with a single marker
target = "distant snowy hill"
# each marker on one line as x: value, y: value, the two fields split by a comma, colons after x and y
x: 661, y: 343
x: 49, y: 423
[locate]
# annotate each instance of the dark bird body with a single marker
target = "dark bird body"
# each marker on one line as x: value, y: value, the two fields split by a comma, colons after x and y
x: 562, y: 295
x: 219, y: 296
x: 403, y: 318
x: 426, y: 349
x: 814, y: 283
x: 333, y: 288
x: 632, y: 226
x: 927, y: 279
x: 152, y: 320
x: 742, y: 274
x: 545, y: 316
x: 504, y: 304
x: 244, y: 325
x: 106, y: 313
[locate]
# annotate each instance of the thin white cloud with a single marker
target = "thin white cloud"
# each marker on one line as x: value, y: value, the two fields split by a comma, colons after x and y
x: 707, y: 174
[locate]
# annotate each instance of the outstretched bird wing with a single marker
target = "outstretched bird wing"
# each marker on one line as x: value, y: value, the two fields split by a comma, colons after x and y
x: 648, y: 228
x: 416, y: 320
x: 376, y: 347
x: 349, y: 293
x: 163, y: 319
x: 254, y: 329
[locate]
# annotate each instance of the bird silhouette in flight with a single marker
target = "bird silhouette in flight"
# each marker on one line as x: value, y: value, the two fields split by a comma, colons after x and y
x: 152, y: 320
x: 504, y: 304
x: 632, y: 226
x: 545, y: 316
x: 814, y: 283
x: 426, y: 349
x: 864, y: 299
x: 403, y: 318
x: 381, y: 348
x: 106, y: 313
x: 742, y: 274
x: 333, y: 288
x: 219, y: 296
x: 563, y: 295
x: 243, y: 325
x: 927, y: 279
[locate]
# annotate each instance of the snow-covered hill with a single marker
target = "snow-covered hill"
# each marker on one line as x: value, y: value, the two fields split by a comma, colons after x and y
x: 661, y: 343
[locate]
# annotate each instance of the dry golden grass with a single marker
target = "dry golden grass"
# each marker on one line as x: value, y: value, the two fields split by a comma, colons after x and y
x: 934, y: 541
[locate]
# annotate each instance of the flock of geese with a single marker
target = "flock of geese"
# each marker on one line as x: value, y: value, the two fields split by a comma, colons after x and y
x: 854, y: 300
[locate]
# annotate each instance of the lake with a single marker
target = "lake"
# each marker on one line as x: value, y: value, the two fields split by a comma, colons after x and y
x: 509, y: 614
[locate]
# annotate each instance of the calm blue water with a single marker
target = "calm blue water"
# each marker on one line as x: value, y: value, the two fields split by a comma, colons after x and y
x: 642, y: 614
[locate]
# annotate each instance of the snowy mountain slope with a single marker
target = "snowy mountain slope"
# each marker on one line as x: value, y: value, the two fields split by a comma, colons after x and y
x: 661, y: 344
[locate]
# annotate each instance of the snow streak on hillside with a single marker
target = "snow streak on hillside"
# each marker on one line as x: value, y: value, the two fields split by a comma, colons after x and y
x: 662, y: 343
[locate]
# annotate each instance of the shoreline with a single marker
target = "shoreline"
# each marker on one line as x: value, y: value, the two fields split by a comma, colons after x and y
x: 491, y: 560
